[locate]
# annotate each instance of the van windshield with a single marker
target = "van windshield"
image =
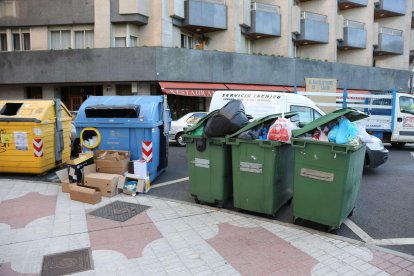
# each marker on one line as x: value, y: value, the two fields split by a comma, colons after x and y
x: 407, y: 105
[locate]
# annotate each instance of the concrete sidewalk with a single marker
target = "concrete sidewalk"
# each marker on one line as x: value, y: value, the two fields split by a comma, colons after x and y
x: 169, y: 238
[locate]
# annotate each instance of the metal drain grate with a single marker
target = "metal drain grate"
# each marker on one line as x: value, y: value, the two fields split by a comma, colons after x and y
x: 67, y: 262
x: 119, y: 211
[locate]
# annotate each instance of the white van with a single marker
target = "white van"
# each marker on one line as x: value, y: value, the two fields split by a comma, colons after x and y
x: 262, y: 103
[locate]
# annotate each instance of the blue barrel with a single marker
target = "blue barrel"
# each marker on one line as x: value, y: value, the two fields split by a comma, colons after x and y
x: 133, y: 123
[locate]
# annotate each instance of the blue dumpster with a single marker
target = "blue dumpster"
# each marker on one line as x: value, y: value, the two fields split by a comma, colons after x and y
x: 138, y: 124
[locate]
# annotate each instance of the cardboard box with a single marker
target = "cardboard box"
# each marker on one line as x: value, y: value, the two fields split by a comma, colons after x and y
x: 143, y: 184
x: 64, y: 180
x: 106, y: 183
x: 84, y: 194
x: 76, y: 166
x: 112, y: 161
x: 138, y: 167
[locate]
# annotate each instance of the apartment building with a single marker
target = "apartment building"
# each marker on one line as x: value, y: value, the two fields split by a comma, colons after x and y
x: 71, y: 49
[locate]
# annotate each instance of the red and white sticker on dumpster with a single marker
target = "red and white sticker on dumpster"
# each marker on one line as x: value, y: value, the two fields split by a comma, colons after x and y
x: 147, y: 151
x: 38, y: 147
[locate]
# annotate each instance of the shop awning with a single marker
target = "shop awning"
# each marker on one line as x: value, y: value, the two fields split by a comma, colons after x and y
x: 195, y: 89
x: 200, y: 89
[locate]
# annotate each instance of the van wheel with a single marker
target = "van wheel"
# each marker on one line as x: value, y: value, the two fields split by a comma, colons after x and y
x: 398, y: 145
x: 180, y: 139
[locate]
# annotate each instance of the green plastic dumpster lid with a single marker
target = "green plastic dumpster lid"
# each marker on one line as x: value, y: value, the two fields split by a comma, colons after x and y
x: 189, y: 130
x: 260, y: 121
x: 350, y: 113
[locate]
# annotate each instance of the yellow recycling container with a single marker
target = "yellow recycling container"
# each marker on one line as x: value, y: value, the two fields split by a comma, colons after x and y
x: 34, y: 135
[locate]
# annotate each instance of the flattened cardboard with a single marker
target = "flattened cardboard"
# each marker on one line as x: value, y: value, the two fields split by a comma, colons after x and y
x: 112, y: 161
x: 76, y: 166
x: 84, y: 194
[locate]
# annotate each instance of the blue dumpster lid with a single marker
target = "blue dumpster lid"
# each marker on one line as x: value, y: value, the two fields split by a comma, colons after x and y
x: 262, y: 120
x: 349, y: 113
x: 143, y: 109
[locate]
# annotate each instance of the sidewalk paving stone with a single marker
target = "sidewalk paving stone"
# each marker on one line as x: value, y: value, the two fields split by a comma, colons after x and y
x: 173, y: 238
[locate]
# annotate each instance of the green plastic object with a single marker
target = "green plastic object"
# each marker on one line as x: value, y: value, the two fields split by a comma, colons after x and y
x: 209, y: 165
x: 262, y: 171
x: 209, y: 170
x: 327, y: 176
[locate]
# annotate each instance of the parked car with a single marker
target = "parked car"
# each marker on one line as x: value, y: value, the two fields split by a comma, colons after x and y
x: 376, y: 154
x: 177, y: 127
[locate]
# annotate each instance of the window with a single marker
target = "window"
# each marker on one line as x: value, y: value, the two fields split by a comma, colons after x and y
x: 195, y: 118
x: 3, y: 42
x: 16, y: 41
x: 407, y: 105
x: 20, y: 40
x: 26, y: 41
x: 133, y: 41
x: 120, y: 42
x: 187, y: 41
x: 83, y: 39
x: 60, y: 40
x: 33, y: 92
x: 306, y: 114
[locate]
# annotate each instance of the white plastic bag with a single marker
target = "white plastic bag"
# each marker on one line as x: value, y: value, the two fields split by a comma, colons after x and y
x: 363, y: 135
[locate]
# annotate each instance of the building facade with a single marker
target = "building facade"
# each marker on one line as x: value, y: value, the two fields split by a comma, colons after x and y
x: 71, y: 49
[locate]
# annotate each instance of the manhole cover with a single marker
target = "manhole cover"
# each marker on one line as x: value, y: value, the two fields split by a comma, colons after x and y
x: 67, y: 262
x: 119, y: 210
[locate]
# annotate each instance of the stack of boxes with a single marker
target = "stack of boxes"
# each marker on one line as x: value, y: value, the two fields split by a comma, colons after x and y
x: 90, y: 176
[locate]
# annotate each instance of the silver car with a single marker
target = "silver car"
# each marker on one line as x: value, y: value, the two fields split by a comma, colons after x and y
x: 177, y: 127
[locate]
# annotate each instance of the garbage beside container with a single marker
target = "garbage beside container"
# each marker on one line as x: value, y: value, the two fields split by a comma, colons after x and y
x: 327, y: 175
x: 138, y: 124
x: 262, y: 170
x: 209, y: 165
x: 34, y: 135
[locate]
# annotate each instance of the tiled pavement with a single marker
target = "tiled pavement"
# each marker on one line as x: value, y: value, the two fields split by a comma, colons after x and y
x: 173, y: 238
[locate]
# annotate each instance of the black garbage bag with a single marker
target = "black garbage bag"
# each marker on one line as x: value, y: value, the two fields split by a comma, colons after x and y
x: 228, y: 120
x: 251, y: 134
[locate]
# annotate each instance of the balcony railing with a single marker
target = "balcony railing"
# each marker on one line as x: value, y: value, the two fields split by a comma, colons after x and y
x: 390, y: 42
x: 350, y: 4
x: 202, y: 16
x: 355, y: 35
x: 314, y: 28
x: 265, y: 21
x: 265, y: 7
x: 387, y: 8
x: 313, y: 16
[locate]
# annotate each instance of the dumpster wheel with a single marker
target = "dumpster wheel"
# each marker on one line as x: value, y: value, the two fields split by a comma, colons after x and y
x: 219, y: 203
x: 196, y: 200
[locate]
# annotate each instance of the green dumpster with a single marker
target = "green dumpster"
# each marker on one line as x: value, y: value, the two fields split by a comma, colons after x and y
x: 327, y: 176
x: 262, y: 170
x: 209, y: 165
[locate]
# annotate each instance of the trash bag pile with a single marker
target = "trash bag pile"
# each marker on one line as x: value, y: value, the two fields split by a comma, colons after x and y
x: 341, y: 131
x: 228, y: 120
